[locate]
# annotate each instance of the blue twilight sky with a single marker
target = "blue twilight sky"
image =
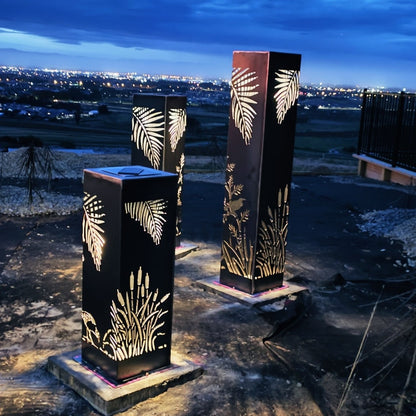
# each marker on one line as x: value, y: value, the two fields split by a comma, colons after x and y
x: 350, y: 42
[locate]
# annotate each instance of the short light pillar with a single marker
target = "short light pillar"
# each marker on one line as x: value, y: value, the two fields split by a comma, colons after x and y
x: 158, y: 138
x: 264, y: 92
x: 128, y: 234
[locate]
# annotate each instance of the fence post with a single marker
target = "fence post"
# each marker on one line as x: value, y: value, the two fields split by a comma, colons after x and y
x: 360, y: 135
x: 399, y: 126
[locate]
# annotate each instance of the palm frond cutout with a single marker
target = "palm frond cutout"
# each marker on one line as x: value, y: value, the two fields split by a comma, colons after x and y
x: 242, y: 111
x: 287, y: 91
x: 150, y: 214
x: 92, y: 233
x: 146, y: 133
x: 177, y: 125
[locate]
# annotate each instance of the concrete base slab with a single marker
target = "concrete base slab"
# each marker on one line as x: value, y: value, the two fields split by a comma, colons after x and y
x: 184, y: 249
x: 213, y: 285
x: 108, y: 398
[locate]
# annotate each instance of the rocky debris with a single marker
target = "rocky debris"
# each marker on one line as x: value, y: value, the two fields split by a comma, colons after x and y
x: 14, y: 202
x: 69, y: 165
x: 395, y: 223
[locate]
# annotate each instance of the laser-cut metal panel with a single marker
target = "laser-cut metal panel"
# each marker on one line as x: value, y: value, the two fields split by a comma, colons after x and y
x: 264, y: 92
x: 128, y: 252
x: 158, y: 138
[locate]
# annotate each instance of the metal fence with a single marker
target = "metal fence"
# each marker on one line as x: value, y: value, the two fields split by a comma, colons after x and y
x: 388, y: 128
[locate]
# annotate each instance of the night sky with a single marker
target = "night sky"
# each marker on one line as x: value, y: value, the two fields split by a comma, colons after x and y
x: 368, y: 43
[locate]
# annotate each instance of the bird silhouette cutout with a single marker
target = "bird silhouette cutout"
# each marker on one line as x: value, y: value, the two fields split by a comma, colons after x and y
x: 236, y: 204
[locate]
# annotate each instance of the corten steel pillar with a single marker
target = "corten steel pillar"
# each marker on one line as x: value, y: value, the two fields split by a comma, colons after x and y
x: 128, y: 233
x: 264, y: 92
x: 158, y: 138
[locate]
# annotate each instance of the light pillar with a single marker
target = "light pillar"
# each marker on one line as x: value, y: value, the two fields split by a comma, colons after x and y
x: 158, y: 138
x: 264, y: 92
x: 128, y: 233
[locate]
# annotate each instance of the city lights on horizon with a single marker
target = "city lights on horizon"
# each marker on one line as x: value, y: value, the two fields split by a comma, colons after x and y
x: 146, y: 77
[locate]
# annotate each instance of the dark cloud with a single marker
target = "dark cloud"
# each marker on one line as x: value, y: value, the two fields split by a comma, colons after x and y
x: 318, y: 29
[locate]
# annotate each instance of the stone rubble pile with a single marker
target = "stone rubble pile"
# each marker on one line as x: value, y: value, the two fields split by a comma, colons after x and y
x: 69, y: 165
x: 396, y: 224
x: 14, y: 201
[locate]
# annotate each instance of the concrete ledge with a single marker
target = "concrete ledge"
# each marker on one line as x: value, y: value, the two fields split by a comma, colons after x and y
x: 371, y: 168
x: 109, y: 399
x: 184, y: 249
x: 213, y: 285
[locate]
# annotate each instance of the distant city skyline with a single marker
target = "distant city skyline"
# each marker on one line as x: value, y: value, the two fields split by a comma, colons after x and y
x: 365, y: 43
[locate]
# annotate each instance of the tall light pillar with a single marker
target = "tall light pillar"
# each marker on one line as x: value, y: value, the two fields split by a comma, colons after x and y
x: 264, y: 92
x: 158, y: 138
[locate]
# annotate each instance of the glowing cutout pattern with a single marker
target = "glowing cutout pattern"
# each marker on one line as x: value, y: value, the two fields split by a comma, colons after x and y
x: 242, y: 90
x: 147, y: 133
x: 177, y: 125
x: 151, y: 216
x: 92, y: 232
x: 136, y: 321
x: 271, y: 255
x: 237, y: 252
x: 179, y: 171
x: 287, y: 91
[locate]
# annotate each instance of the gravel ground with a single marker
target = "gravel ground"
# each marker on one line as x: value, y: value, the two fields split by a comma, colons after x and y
x: 395, y: 224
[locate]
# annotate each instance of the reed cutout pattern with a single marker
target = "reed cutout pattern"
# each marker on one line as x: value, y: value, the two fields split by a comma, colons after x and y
x: 237, y: 252
x: 271, y: 253
x: 136, y: 321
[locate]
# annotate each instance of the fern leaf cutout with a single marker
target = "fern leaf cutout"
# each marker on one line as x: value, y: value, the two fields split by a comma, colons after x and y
x: 243, y: 89
x: 287, y: 91
x: 151, y: 216
x: 177, y: 125
x: 147, y: 126
x: 92, y: 233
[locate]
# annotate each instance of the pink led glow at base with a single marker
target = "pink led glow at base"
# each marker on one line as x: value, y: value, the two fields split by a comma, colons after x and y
x: 114, y: 385
x: 255, y: 295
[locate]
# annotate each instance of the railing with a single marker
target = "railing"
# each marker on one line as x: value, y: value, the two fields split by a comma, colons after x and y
x: 388, y: 128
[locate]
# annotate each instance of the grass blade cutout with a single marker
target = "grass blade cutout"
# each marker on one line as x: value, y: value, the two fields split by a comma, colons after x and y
x: 137, y: 321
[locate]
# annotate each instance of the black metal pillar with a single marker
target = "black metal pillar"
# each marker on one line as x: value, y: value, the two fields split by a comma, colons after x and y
x: 264, y: 92
x: 158, y: 138
x: 128, y: 234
